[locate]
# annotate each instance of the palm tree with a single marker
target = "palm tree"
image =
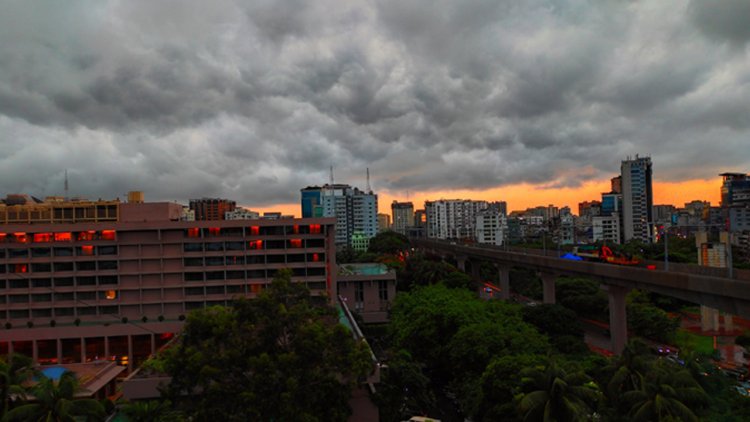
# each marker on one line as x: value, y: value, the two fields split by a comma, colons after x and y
x: 629, y: 369
x: 13, y: 373
x: 55, y: 401
x: 150, y: 411
x: 557, y: 395
x: 667, y: 393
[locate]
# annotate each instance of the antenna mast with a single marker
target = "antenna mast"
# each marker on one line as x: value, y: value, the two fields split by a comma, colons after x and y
x: 66, y: 184
x: 331, y: 177
x: 369, y: 189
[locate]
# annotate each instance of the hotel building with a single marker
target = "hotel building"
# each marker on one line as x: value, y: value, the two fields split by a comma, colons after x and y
x: 94, y: 280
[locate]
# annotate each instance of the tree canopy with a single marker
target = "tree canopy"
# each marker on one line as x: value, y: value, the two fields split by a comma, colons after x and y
x: 277, y: 357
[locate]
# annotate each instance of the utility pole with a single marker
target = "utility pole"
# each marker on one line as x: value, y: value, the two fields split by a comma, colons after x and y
x: 666, y: 247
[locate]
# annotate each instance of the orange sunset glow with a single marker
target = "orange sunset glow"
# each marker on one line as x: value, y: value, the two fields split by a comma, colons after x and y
x: 522, y: 196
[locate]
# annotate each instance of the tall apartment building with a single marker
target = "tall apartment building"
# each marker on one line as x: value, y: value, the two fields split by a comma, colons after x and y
x: 491, y: 227
x: 637, y: 199
x: 735, y: 201
x: 120, y: 288
x: 355, y: 211
x: 211, y: 209
x: 454, y: 218
x: 403, y: 216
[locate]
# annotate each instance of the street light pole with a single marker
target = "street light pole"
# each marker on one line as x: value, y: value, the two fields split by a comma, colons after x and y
x: 666, y: 247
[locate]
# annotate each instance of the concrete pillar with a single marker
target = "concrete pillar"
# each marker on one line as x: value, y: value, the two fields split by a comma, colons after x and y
x: 475, y: 270
x: 59, y: 351
x: 106, y: 348
x: 153, y: 344
x: 130, y: 354
x: 83, y: 349
x: 709, y: 319
x: 461, y: 263
x: 504, y: 273
x: 34, y: 350
x: 728, y: 323
x: 548, y: 286
x: 618, y: 320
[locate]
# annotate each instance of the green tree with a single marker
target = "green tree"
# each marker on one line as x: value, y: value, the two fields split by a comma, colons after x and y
x: 277, y: 357
x: 389, y: 242
x: 404, y: 389
x: 151, y: 411
x: 651, y: 322
x: 495, y: 396
x: 554, y: 394
x: 14, y: 372
x: 560, y: 324
x: 628, y: 370
x: 55, y: 401
x: 666, y: 393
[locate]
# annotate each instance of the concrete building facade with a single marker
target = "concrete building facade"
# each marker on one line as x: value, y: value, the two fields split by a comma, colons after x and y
x: 77, y: 292
x: 403, y: 216
x: 637, y: 199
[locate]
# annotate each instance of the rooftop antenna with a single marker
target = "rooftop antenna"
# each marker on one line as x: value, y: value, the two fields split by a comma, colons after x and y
x: 331, y: 177
x: 369, y: 189
x: 66, y: 184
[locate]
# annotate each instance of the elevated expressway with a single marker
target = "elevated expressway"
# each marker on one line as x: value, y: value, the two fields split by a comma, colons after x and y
x: 690, y: 283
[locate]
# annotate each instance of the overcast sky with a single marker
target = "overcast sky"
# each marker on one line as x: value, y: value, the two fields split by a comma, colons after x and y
x: 253, y: 100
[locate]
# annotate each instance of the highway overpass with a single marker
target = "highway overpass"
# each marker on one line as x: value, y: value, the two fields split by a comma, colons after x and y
x: 690, y: 283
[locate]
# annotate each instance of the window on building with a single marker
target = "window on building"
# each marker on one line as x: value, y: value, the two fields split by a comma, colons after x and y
x: 383, y: 289
x: 107, y: 250
x: 193, y: 276
x: 63, y: 266
x: 41, y: 313
x: 194, y: 291
x: 40, y: 252
x: 214, y: 247
x: 41, y: 297
x: 107, y: 279
x: 41, y: 268
x: 86, y: 295
x: 192, y: 262
x: 214, y: 261
x: 86, y: 266
x: 64, y: 296
x: 214, y: 290
x: 107, y: 265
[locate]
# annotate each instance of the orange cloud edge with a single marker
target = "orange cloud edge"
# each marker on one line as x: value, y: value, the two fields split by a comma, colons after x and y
x: 522, y: 196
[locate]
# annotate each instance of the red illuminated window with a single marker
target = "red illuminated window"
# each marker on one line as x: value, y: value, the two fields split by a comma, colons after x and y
x: 21, y: 268
x: 3, y: 236
x: 315, y: 228
x: 87, y: 250
x: 295, y: 243
x: 109, y: 235
x: 214, y: 231
x: 63, y: 237
x: 166, y: 336
x: 194, y: 232
x: 87, y: 235
x: 316, y: 257
x: 255, y: 244
x: 295, y: 229
x: 110, y: 295
x: 254, y: 231
x: 42, y: 237
x: 20, y: 237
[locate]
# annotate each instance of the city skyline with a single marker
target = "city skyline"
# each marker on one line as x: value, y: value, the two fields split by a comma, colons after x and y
x: 530, y: 103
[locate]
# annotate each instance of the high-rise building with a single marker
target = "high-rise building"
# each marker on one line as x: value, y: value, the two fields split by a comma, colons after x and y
x: 403, y: 216
x: 455, y: 218
x: 384, y: 222
x: 355, y: 211
x: 735, y: 201
x: 491, y: 227
x: 312, y: 202
x: 637, y: 199
x: 211, y: 209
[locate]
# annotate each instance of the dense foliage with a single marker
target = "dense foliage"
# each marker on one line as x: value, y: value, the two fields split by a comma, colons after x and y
x: 277, y: 357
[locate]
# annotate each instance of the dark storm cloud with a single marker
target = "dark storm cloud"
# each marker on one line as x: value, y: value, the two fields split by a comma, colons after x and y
x: 255, y: 99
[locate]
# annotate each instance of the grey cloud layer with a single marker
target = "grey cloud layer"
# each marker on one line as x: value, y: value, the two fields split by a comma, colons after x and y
x: 253, y: 100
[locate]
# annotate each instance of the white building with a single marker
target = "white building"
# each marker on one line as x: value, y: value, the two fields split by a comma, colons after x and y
x: 356, y: 211
x: 453, y: 218
x: 491, y: 227
x: 607, y: 229
x: 241, y: 214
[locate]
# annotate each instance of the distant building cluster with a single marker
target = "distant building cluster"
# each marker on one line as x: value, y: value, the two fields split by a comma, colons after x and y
x: 356, y: 212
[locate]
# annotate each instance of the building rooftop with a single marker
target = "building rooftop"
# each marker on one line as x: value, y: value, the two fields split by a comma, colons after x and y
x: 363, y: 269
